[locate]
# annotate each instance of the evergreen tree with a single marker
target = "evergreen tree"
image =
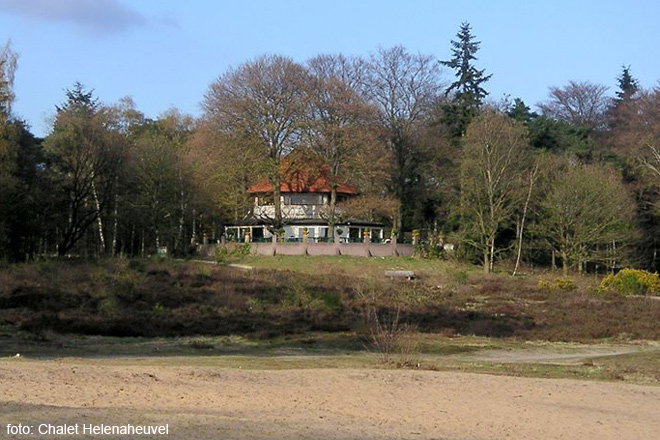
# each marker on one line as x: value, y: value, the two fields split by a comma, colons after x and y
x: 466, y: 92
x: 628, y: 85
x: 521, y: 112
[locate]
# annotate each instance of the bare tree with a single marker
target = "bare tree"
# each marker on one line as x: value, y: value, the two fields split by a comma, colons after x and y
x: 266, y: 100
x: 403, y: 86
x: 580, y: 103
x: 341, y: 126
x: 531, y: 177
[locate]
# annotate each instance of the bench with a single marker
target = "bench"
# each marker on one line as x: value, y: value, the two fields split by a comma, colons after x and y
x: 407, y: 274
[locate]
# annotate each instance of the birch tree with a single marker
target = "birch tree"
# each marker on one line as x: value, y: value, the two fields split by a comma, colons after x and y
x: 495, y: 151
x: 83, y: 166
x: 8, y: 64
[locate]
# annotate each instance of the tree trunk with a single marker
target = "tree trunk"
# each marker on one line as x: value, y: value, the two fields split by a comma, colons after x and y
x: 99, y: 221
x: 564, y: 263
x: 182, y: 220
x: 333, y: 208
x: 115, y: 223
x: 193, y: 236
x: 277, y: 203
x: 532, y: 179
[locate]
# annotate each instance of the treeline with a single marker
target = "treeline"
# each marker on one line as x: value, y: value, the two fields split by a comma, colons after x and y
x: 574, y: 185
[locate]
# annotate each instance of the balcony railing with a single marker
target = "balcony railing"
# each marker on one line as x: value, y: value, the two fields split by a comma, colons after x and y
x: 291, y: 211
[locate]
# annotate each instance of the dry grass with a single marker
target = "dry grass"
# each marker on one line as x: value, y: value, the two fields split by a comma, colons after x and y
x: 168, y: 299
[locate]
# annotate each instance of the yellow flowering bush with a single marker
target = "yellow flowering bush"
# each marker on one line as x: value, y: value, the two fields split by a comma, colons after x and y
x: 563, y: 283
x: 631, y: 282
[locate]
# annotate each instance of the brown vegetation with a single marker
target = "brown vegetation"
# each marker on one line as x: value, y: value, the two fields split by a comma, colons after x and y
x: 121, y: 298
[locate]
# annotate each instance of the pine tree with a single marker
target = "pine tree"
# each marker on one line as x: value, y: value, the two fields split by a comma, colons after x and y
x: 622, y: 108
x: 628, y: 85
x: 521, y: 111
x: 466, y: 92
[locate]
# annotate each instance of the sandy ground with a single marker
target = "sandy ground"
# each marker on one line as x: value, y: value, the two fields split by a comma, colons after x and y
x: 206, y: 403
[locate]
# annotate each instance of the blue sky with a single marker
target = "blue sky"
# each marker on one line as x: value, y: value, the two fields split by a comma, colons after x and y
x: 165, y: 53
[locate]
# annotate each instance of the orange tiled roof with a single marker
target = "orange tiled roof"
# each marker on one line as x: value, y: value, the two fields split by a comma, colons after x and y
x: 303, y: 181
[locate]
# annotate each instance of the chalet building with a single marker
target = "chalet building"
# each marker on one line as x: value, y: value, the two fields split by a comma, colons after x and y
x: 305, y: 203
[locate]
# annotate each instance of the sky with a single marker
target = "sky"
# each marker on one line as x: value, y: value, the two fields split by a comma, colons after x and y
x: 165, y: 53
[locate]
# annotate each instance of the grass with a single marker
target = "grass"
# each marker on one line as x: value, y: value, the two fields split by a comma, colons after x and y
x: 324, y: 350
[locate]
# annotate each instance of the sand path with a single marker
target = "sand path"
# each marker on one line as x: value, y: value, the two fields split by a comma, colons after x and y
x: 210, y: 403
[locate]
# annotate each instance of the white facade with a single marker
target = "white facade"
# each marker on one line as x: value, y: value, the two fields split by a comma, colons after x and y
x: 301, y: 212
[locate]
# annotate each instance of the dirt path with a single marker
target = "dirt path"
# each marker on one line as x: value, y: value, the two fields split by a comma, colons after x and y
x: 214, y: 403
x: 556, y: 354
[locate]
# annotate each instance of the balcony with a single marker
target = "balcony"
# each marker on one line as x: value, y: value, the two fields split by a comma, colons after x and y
x: 291, y: 212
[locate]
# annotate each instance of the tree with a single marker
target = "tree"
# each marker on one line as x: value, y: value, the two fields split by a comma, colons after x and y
x: 341, y: 126
x: 586, y: 210
x: 622, y: 108
x: 628, y: 86
x: 466, y: 92
x: 8, y: 64
x: 265, y: 99
x: 521, y: 112
x: 495, y: 151
x: 83, y: 166
x: 578, y: 103
x: 558, y: 136
x: 404, y: 88
x: 220, y: 182
x: 28, y: 212
x: 155, y: 164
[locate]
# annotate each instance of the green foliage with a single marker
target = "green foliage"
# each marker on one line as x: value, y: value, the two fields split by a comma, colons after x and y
x: 561, y: 137
x: 521, y: 112
x: 311, y: 299
x: 495, y: 152
x: 137, y: 265
x: 467, y: 91
x: 232, y: 252
x: 586, y: 208
x: 457, y: 277
x: 109, y: 306
x: 158, y: 309
x: 628, y: 85
x: 563, y: 284
x: 631, y: 282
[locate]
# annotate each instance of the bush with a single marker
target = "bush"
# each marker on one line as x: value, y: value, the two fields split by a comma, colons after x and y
x: 232, y: 252
x: 631, y: 282
x: 388, y: 336
x: 563, y: 284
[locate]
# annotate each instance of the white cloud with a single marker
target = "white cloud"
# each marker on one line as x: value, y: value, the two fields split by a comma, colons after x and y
x: 96, y: 16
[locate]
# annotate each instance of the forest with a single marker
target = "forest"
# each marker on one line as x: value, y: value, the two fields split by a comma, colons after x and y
x: 573, y: 183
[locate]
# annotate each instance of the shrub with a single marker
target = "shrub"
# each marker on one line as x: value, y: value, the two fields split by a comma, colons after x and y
x: 388, y: 336
x: 564, y: 284
x: 137, y: 265
x: 310, y: 299
x: 232, y: 252
x: 631, y: 282
x: 457, y: 277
